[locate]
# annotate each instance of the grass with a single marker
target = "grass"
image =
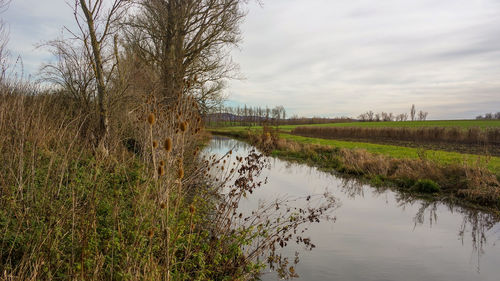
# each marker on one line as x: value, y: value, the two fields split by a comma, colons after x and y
x: 398, y: 152
x: 412, y: 124
x: 448, y: 176
x: 147, y: 208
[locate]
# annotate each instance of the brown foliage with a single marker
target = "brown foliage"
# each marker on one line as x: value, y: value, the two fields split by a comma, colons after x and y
x: 488, y: 136
x: 475, y: 182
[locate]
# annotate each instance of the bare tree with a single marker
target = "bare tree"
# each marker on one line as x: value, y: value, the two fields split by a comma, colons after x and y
x: 91, y: 61
x: 370, y: 115
x: 187, y: 41
x: 422, y: 116
x: 209, y: 95
x: 72, y: 72
x: 402, y: 117
x: 412, y: 112
x: 387, y: 116
x: 363, y: 117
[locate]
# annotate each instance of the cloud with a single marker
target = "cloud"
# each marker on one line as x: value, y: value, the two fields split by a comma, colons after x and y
x: 31, y: 23
x: 332, y: 58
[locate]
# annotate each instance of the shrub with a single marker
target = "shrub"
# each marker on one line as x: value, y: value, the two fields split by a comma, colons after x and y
x: 426, y: 186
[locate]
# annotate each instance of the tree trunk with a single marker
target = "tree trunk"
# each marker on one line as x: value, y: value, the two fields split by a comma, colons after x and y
x: 103, y: 122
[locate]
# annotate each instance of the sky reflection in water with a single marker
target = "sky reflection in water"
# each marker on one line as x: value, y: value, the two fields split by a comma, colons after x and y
x: 379, y: 234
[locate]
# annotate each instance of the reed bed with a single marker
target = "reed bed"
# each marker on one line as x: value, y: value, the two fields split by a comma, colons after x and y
x: 471, y: 182
x: 452, y: 135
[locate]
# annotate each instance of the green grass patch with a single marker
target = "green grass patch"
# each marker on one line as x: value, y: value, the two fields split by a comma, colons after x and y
x: 407, y: 124
x: 444, y: 157
x: 401, y: 152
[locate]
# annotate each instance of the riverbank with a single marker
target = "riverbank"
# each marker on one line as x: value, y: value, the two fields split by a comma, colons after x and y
x: 451, y: 176
x: 378, y: 233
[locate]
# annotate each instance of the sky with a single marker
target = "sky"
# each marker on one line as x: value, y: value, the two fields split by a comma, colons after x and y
x: 335, y: 58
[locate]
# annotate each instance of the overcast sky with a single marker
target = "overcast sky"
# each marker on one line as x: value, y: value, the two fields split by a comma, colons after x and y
x: 339, y: 57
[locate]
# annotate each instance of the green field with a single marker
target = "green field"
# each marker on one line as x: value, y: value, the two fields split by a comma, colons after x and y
x: 409, y: 124
x: 401, y: 152
x: 440, y: 123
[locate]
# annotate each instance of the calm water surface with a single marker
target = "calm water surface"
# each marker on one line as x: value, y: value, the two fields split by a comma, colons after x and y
x: 379, y: 235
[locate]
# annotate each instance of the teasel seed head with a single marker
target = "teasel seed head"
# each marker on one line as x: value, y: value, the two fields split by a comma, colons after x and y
x: 150, y: 233
x: 192, y: 209
x: 162, y: 163
x: 168, y: 144
x: 163, y: 205
x: 151, y: 118
x: 180, y: 174
x: 183, y: 126
x: 161, y: 171
x: 155, y: 144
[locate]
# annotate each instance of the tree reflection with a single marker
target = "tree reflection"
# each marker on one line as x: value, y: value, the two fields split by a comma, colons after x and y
x: 476, y: 222
x: 474, y: 226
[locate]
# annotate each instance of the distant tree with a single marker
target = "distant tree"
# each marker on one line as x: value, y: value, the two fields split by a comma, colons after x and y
x: 422, y: 116
x: 370, y: 115
x: 277, y: 113
x: 402, y: 117
x: 363, y: 117
x: 387, y: 116
x: 412, y: 112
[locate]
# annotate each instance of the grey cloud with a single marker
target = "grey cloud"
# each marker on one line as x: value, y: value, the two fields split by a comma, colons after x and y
x: 343, y: 57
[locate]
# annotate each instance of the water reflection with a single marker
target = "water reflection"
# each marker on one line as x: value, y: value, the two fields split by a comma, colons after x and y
x: 381, y: 234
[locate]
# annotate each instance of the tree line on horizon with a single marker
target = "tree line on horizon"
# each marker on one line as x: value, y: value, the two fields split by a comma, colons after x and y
x: 258, y: 116
x: 489, y: 116
x: 371, y: 116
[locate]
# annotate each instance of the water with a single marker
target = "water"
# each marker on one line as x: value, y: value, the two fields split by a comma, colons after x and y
x: 379, y: 235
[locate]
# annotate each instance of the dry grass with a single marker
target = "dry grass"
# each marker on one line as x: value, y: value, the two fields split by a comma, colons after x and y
x: 143, y: 211
x: 452, y: 135
x: 472, y: 182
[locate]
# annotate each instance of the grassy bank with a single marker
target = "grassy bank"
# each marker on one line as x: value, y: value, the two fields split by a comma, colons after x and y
x: 392, y: 151
x: 468, y: 178
x: 147, y: 208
